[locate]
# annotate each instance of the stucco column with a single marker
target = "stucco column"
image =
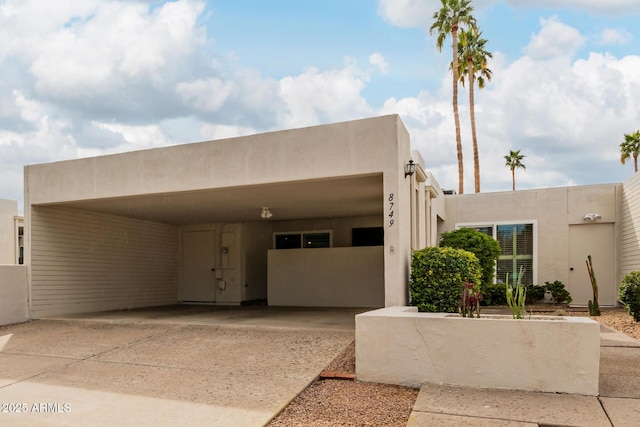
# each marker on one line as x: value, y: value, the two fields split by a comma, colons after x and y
x: 397, y: 224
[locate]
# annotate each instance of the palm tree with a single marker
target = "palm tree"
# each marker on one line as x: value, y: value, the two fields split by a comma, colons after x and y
x: 472, y: 57
x: 630, y: 148
x: 514, y: 161
x: 447, y: 20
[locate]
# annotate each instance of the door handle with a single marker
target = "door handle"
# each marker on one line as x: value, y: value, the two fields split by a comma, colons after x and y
x: 213, y: 269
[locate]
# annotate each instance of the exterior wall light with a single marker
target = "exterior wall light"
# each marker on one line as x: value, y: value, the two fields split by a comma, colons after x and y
x: 266, y: 213
x: 593, y: 217
x: 409, y: 168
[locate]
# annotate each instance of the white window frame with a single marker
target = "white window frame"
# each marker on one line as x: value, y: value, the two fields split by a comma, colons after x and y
x: 494, y: 225
x: 302, y: 233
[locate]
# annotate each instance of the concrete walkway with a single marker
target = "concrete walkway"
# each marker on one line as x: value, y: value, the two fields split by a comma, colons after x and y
x: 174, y: 366
x: 617, y: 405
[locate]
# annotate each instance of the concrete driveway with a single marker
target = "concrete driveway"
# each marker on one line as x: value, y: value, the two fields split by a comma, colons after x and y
x: 182, y: 365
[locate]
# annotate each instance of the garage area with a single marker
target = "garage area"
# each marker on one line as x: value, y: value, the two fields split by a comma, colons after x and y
x: 217, y: 222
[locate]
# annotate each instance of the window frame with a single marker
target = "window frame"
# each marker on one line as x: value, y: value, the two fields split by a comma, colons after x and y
x: 302, y: 234
x: 494, y: 226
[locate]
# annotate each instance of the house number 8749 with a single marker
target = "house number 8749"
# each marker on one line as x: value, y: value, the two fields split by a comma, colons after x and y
x: 390, y: 214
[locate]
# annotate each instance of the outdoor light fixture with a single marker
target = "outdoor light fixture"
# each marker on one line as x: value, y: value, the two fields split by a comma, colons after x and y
x: 266, y: 213
x: 409, y: 168
x: 593, y: 217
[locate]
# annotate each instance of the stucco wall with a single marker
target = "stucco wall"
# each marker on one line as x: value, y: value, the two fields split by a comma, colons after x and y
x: 378, y: 146
x: 398, y: 345
x: 554, y: 211
x: 85, y: 261
x: 630, y: 242
x: 326, y: 277
x: 13, y: 294
x: 8, y: 210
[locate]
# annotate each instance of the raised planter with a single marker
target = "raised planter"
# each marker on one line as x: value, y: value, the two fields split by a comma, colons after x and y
x: 398, y: 345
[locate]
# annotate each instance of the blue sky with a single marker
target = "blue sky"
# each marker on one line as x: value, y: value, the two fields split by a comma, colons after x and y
x: 94, y: 77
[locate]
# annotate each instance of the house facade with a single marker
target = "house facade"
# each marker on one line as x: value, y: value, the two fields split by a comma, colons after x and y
x: 319, y: 216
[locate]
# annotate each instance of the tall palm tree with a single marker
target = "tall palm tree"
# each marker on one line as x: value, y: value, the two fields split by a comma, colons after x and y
x: 630, y: 148
x: 447, y: 20
x: 472, y: 58
x: 514, y: 161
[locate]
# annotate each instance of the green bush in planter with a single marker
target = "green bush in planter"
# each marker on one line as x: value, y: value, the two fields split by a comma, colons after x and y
x: 629, y: 294
x: 437, y: 275
x: 494, y: 294
x: 485, y: 248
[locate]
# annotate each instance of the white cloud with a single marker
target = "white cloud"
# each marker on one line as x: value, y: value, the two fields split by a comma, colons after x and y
x: 134, y: 137
x: 611, y: 7
x: 407, y: 13
x: 613, y: 36
x: 206, y: 95
x: 554, y: 39
x: 566, y: 115
x: 115, y: 43
x: 378, y: 60
x: 316, y: 96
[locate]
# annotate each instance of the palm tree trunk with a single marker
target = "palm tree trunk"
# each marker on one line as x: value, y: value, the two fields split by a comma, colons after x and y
x: 456, y: 117
x: 472, y: 113
x: 635, y: 163
x: 513, y: 179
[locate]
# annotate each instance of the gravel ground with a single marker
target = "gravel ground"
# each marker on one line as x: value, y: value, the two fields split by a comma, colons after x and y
x: 331, y: 402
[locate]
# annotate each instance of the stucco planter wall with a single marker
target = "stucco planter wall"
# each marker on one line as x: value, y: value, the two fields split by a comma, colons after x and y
x: 13, y: 294
x: 398, y: 345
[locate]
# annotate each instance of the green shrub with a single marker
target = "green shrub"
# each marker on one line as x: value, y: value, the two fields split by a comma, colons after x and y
x: 494, y: 295
x: 629, y: 294
x: 437, y: 275
x: 535, y: 293
x: 485, y: 248
x: 560, y: 294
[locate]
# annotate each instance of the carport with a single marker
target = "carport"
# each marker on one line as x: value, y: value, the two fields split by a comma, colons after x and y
x: 184, y: 223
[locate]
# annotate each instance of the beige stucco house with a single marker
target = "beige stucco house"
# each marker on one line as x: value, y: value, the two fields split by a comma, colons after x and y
x: 318, y: 216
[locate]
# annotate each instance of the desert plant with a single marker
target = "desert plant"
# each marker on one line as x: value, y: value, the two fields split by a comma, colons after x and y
x: 534, y: 293
x: 516, y: 296
x: 594, y: 306
x: 629, y: 294
x: 559, y: 293
x: 437, y: 275
x: 470, y: 300
x: 485, y: 248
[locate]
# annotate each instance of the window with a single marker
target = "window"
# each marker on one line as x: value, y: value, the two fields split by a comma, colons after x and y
x: 367, y: 236
x: 297, y: 240
x: 517, y: 246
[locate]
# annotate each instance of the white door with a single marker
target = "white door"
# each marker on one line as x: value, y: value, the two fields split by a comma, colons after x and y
x: 198, y: 262
x: 596, y: 240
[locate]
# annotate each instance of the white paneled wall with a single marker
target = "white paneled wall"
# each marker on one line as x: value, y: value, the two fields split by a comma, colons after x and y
x: 630, y: 244
x: 86, y: 261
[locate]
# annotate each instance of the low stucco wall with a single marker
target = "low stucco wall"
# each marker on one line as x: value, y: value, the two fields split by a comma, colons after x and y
x: 326, y: 277
x: 13, y: 294
x: 398, y: 345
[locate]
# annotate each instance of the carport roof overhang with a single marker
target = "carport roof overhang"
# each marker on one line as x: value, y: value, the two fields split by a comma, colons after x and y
x: 360, y: 195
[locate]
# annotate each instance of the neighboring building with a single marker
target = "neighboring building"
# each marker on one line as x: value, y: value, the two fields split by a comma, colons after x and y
x: 549, y: 233
x: 11, y: 233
